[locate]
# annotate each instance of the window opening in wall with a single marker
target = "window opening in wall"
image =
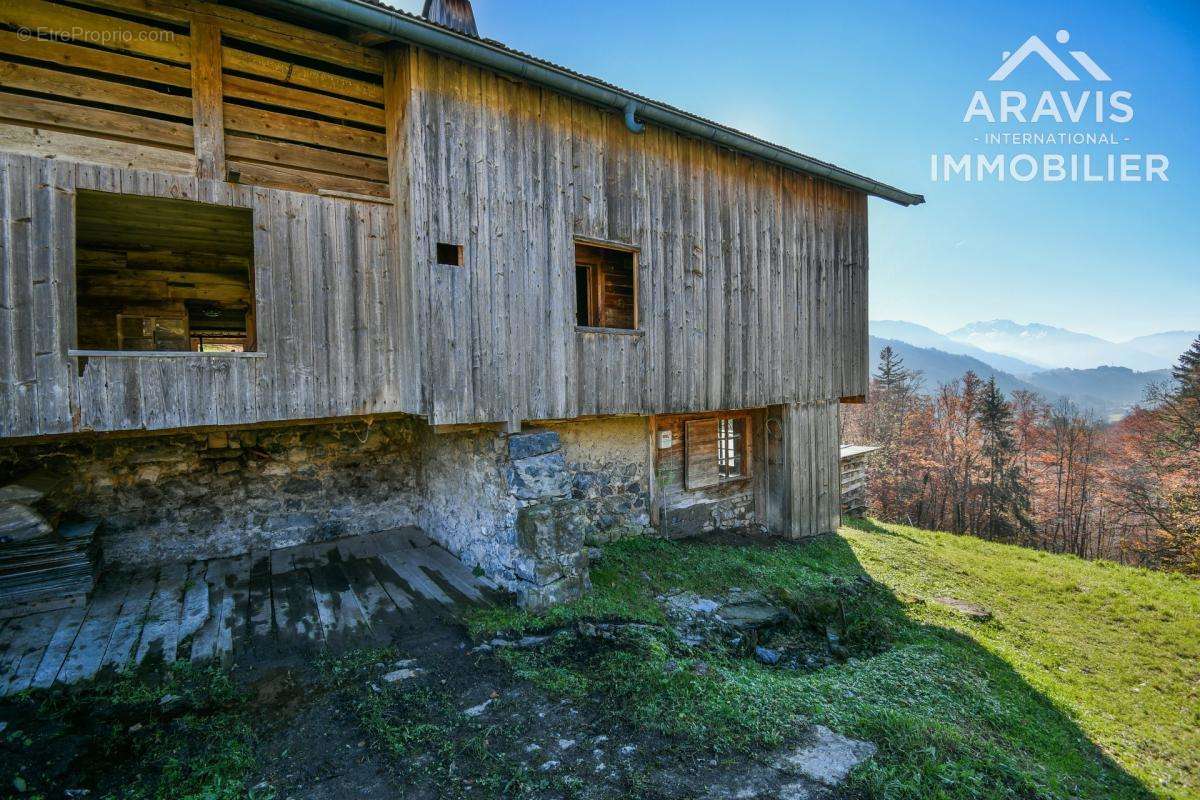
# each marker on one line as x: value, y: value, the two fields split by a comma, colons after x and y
x: 715, y: 450
x: 450, y: 255
x: 605, y: 287
x: 731, y: 448
x: 158, y: 274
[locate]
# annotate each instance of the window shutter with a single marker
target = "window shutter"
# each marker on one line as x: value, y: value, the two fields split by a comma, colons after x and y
x: 700, y: 448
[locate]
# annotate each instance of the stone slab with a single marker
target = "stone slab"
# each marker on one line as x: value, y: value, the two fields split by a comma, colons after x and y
x: 533, y: 443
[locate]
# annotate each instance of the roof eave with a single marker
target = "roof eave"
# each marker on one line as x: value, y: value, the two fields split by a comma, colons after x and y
x: 408, y: 28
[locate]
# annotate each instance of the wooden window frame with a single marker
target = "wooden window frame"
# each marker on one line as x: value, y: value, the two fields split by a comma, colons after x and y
x: 693, y: 427
x: 595, y: 290
x: 743, y: 454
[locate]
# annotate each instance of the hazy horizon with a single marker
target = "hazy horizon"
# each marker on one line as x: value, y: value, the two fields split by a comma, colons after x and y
x: 1116, y: 260
x: 1018, y: 321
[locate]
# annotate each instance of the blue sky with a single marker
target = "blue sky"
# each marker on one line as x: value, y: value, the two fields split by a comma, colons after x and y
x: 877, y: 87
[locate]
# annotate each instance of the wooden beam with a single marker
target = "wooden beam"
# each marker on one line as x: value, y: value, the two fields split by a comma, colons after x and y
x: 208, y: 121
x: 854, y: 399
x: 75, y: 147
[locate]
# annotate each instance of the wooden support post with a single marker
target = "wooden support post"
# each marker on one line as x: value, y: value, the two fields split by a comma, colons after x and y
x: 396, y: 90
x: 208, y: 117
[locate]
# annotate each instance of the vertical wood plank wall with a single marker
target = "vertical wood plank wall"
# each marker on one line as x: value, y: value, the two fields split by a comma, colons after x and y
x: 752, y: 279
x: 811, y: 468
x: 328, y: 312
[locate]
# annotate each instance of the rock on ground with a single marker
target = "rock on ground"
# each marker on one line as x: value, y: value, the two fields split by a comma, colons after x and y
x: 972, y: 611
x: 828, y: 758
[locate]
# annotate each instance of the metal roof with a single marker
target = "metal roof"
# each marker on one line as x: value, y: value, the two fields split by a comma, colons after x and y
x: 403, y: 26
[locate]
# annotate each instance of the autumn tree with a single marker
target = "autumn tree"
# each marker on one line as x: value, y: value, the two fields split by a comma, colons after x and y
x: 1161, y: 477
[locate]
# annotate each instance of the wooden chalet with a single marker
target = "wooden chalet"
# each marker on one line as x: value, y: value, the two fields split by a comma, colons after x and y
x: 219, y: 219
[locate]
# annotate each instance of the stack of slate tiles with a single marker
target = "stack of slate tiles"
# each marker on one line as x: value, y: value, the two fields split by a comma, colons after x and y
x: 41, y: 568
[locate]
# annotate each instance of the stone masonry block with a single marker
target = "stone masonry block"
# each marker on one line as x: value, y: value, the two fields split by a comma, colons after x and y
x: 533, y: 443
x: 542, y: 476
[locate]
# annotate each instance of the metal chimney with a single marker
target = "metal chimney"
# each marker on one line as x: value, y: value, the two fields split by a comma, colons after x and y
x: 453, y: 14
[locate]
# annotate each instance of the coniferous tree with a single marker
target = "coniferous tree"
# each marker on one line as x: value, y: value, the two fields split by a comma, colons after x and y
x: 894, y: 391
x: 1187, y: 371
x: 1006, y: 498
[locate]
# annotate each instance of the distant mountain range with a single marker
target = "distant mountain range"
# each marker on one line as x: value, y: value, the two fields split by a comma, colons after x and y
x: 1051, y: 347
x: 1105, y: 377
x: 927, y: 337
x: 938, y: 367
x: 1168, y: 345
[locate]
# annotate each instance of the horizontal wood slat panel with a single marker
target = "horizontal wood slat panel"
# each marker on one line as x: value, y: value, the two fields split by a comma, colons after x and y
x: 78, y: 87
x: 238, y: 60
x: 77, y: 147
x: 146, y: 285
x: 303, y: 180
x: 300, y: 129
x: 105, y: 30
x: 99, y: 121
x: 286, y: 154
x: 291, y: 98
x: 80, y: 57
x: 257, y: 29
x: 700, y: 449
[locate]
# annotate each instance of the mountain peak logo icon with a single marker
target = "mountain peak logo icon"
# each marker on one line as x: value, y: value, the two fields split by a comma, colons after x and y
x: 1034, y: 45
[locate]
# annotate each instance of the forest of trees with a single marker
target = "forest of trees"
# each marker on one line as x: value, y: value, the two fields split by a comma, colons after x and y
x: 1015, y: 469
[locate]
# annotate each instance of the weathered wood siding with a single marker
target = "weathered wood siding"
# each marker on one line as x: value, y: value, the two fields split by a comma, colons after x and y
x: 327, y: 294
x: 279, y: 104
x: 752, y: 279
x: 812, y: 503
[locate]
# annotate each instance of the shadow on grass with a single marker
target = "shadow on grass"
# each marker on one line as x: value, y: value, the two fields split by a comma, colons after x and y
x: 867, y: 525
x: 951, y: 719
x: 998, y: 735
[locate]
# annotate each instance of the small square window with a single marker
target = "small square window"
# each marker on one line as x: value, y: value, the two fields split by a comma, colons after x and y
x: 162, y: 274
x: 605, y: 287
x: 450, y: 255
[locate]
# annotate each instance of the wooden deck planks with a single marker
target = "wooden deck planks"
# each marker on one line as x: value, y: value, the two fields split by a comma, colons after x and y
x: 338, y: 609
x: 69, y: 622
x: 87, y: 651
x: 127, y: 630
x: 27, y: 649
x: 260, y: 614
x: 311, y: 595
x: 160, y: 634
x: 411, y: 574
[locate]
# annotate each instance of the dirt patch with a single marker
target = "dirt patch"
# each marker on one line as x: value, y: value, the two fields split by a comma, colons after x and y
x: 425, y: 715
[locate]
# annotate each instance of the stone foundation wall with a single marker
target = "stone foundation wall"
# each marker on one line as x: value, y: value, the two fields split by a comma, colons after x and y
x: 200, y: 495
x: 703, y: 515
x: 466, y: 505
x: 609, y: 460
x: 519, y: 507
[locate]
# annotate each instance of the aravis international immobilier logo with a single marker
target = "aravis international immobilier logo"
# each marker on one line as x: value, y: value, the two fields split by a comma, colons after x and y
x: 1078, y: 133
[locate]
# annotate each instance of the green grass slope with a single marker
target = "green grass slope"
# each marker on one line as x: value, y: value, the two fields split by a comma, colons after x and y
x: 1083, y: 685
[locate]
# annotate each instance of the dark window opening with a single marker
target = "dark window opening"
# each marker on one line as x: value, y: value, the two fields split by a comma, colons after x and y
x: 731, y: 448
x: 605, y: 287
x: 583, y: 295
x: 450, y: 255
x: 157, y: 274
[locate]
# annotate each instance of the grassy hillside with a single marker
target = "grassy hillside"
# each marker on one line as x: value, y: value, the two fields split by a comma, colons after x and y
x: 1083, y: 685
